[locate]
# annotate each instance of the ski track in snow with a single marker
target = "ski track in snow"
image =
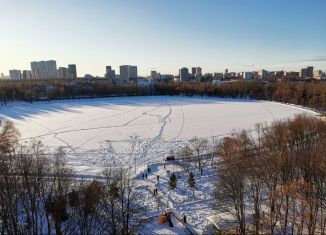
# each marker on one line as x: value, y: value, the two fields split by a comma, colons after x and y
x: 159, y: 135
x: 182, y: 125
x: 87, y: 129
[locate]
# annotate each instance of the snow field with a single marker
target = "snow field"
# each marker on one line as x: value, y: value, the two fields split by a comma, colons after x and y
x: 135, y: 130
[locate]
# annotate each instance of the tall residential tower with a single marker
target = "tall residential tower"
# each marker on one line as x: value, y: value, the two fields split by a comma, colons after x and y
x: 72, y: 70
x: 15, y: 74
x: 128, y: 71
x: 44, y: 69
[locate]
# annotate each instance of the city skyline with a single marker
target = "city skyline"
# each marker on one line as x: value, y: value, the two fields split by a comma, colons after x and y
x: 47, y: 69
x: 165, y: 36
x: 129, y: 73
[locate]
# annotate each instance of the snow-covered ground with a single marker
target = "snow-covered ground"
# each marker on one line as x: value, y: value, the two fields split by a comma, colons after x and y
x: 196, y: 207
x: 135, y: 130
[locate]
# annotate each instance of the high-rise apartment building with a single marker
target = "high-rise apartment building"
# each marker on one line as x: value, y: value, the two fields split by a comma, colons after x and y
x: 109, y: 73
x: 303, y: 73
x: 318, y: 74
x: 108, y: 70
x: 310, y: 72
x: 218, y: 76
x: 196, y: 72
x: 133, y: 72
x: 263, y: 74
x: 193, y: 71
x: 72, y: 70
x: 155, y: 75
x: 226, y: 74
x: 63, y: 72
x: 127, y: 72
x: 184, y: 74
x: 124, y: 72
x: 15, y: 74
x: 247, y: 75
x: 44, y: 69
x: 307, y: 72
x: 27, y: 74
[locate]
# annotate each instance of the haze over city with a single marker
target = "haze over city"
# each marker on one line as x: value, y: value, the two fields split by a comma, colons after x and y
x: 164, y: 35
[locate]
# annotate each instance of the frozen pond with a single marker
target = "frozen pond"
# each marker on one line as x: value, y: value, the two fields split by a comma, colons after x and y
x: 137, y: 129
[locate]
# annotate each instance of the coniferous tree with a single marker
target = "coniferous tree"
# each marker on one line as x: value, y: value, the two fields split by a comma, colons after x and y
x: 173, y: 181
x: 192, y: 183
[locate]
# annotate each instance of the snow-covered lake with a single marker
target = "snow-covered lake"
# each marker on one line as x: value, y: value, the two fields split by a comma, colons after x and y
x: 156, y: 124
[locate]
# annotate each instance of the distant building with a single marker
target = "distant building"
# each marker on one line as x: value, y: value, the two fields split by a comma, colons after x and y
x: 184, y: 74
x: 27, y: 74
x: 63, y: 73
x: 318, y: 74
x: 124, y: 72
x: 232, y: 75
x: 145, y: 82
x: 4, y: 76
x: 193, y: 71
x: 166, y: 77
x: 155, y: 75
x: 303, y: 73
x: 218, y: 76
x: 247, y: 75
x: 127, y: 72
x: 15, y: 74
x: 226, y: 74
x: 206, y: 77
x: 72, y: 70
x: 44, y: 69
x: 279, y: 73
x: 196, y: 72
x: 310, y: 72
x: 110, y: 73
x: 307, y: 72
x: 292, y: 74
x: 121, y: 82
x: 133, y: 73
x: 263, y: 74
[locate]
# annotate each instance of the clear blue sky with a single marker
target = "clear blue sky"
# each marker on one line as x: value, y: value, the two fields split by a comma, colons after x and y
x: 164, y: 34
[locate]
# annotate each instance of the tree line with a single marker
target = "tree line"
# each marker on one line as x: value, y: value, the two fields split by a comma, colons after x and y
x: 40, y: 193
x: 308, y: 94
x: 270, y: 180
x: 274, y: 178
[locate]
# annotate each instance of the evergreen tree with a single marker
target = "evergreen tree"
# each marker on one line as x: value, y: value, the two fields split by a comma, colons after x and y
x: 192, y: 183
x: 191, y: 180
x: 173, y: 181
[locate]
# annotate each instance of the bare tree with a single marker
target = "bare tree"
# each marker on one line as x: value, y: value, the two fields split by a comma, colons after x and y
x: 9, y: 136
x: 32, y: 168
x: 199, y: 147
x: 119, y: 206
x: 183, y: 158
x: 231, y: 185
x: 59, y: 187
